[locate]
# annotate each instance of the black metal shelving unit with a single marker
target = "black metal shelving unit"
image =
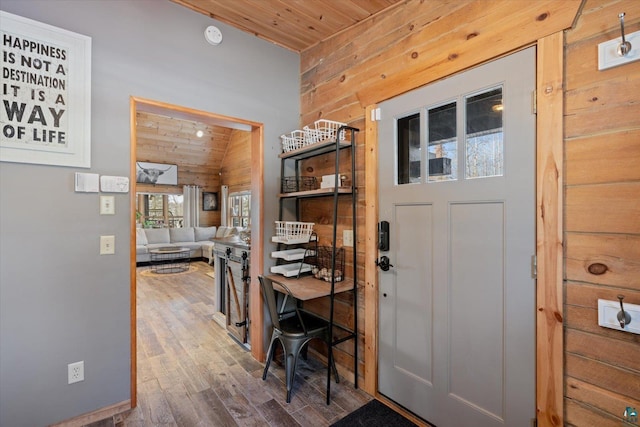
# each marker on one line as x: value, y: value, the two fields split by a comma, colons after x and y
x: 317, y: 149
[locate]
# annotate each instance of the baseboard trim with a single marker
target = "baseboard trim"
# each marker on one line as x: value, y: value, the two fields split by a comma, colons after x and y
x: 97, y: 415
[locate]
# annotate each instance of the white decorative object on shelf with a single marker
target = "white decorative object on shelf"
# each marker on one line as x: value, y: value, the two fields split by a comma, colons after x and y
x: 292, y: 232
x: 290, y: 270
x: 293, y: 141
x: 327, y: 130
x: 293, y: 254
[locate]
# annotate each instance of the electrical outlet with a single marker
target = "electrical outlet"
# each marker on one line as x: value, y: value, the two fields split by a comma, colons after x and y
x: 347, y: 238
x: 75, y: 372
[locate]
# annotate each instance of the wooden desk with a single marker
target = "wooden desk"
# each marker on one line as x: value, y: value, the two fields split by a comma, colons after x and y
x: 308, y: 287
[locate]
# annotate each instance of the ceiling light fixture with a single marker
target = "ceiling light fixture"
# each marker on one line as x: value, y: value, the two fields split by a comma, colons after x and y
x: 199, y: 134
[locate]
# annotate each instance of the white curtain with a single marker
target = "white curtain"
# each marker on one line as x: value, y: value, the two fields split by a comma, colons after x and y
x: 191, y: 205
x: 223, y: 205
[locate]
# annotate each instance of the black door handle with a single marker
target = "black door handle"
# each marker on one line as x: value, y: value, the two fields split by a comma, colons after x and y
x: 384, y: 263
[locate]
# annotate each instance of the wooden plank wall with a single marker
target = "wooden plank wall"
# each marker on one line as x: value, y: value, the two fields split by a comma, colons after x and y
x: 409, y: 45
x: 236, y: 163
x: 602, y: 166
x: 602, y: 224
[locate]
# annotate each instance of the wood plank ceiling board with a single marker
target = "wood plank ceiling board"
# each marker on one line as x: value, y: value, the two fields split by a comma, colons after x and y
x: 293, y: 24
x: 164, y: 139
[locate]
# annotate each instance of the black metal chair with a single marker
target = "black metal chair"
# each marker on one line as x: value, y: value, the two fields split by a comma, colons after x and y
x: 293, y: 329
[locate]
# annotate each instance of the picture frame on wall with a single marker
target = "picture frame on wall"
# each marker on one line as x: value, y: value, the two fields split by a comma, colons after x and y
x: 47, y: 96
x: 156, y: 173
x: 209, y: 201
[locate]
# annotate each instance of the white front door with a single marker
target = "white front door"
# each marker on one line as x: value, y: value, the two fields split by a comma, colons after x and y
x: 457, y: 306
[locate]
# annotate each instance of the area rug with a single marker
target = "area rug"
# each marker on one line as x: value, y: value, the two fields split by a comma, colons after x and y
x: 147, y: 272
x: 374, y: 414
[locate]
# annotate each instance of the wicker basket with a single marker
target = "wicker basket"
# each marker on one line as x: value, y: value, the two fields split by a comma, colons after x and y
x: 322, y: 270
x: 293, y: 141
x: 293, y: 232
x: 292, y: 184
x: 327, y: 130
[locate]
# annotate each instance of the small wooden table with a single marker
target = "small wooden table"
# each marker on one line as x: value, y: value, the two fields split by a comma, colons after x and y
x: 169, y: 259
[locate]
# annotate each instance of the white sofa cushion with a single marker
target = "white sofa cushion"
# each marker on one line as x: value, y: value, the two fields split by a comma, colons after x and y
x: 179, y: 235
x: 204, y: 233
x: 141, y: 237
x: 225, y: 232
x: 157, y: 235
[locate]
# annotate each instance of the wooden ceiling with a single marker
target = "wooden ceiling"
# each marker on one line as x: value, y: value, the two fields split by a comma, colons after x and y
x: 293, y: 24
x: 163, y: 139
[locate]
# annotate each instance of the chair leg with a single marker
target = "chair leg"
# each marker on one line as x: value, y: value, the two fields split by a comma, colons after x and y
x: 270, y: 352
x: 292, y: 352
x: 290, y: 374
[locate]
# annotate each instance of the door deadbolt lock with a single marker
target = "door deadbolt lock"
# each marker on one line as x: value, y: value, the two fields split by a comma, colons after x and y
x: 384, y: 263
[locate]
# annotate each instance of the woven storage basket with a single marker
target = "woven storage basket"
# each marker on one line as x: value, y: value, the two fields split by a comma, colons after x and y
x: 322, y: 269
x: 292, y: 184
x: 293, y: 141
x: 327, y: 130
x: 293, y: 232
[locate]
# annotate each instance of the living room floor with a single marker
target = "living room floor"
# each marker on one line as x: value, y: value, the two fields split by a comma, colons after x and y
x: 191, y: 373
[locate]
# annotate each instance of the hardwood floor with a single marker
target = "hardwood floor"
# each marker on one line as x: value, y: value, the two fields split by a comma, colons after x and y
x: 191, y: 373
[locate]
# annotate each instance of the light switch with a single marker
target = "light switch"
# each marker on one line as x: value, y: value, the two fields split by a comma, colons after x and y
x: 107, y: 205
x: 107, y: 245
x: 347, y: 238
x: 608, y: 315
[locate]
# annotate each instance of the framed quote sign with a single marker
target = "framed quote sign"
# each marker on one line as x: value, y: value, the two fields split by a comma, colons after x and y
x: 45, y: 108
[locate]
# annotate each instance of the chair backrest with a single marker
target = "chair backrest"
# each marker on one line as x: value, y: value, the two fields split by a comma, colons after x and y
x: 270, y: 298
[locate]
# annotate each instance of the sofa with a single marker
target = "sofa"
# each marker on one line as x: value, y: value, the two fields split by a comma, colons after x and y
x: 197, y: 239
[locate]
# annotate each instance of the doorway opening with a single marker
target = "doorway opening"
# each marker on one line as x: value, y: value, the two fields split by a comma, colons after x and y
x: 139, y: 105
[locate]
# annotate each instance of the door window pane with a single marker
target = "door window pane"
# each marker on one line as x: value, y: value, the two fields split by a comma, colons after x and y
x: 443, y: 143
x: 484, y: 135
x: 240, y: 209
x: 409, y: 152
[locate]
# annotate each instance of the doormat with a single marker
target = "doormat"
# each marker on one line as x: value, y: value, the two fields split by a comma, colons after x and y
x: 374, y: 414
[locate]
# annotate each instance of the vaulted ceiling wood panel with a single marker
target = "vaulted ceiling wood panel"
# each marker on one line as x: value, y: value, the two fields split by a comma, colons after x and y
x: 163, y: 139
x: 293, y: 24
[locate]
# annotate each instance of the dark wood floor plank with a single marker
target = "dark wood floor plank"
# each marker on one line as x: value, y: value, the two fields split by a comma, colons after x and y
x: 213, y: 409
x: 275, y: 414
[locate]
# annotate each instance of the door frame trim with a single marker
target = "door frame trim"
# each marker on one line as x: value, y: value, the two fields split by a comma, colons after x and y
x: 256, y: 312
x: 549, y: 235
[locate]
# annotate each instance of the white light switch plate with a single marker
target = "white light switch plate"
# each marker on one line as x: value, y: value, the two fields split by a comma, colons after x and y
x: 608, y: 315
x: 107, y: 205
x: 347, y: 238
x: 608, y: 51
x: 107, y: 245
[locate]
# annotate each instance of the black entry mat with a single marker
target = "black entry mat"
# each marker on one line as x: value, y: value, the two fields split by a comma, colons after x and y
x: 374, y: 414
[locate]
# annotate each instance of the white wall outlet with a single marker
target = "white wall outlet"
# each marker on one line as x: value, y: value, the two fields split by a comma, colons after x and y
x: 107, y: 205
x: 347, y: 238
x: 107, y: 245
x: 75, y: 372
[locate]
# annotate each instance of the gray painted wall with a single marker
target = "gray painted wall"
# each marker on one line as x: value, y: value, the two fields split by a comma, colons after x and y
x: 60, y: 301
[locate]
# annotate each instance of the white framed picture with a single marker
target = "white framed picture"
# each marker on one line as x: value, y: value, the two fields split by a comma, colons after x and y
x: 45, y: 108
